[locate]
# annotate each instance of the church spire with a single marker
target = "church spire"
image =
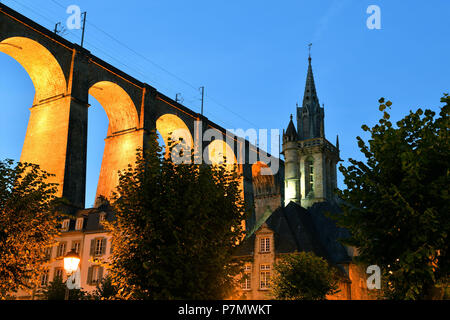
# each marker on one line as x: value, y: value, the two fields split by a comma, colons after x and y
x: 310, y: 115
x: 310, y: 99
x: 291, y: 133
x: 310, y: 159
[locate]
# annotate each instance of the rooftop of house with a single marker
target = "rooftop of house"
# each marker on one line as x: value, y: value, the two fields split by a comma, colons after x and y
x: 298, y: 229
x: 91, y: 218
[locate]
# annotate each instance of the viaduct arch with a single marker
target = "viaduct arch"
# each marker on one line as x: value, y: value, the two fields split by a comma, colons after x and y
x: 64, y: 75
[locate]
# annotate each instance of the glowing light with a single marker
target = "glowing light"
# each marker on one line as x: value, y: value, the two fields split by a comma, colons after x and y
x: 71, y: 262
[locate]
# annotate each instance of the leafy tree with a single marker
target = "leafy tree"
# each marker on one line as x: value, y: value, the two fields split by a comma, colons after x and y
x: 105, y: 290
x: 56, y: 290
x: 303, y: 276
x: 28, y: 224
x: 396, y: 204
x: 176, y: 228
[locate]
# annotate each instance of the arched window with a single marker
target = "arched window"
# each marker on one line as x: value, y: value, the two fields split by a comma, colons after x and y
x: 309, y: 176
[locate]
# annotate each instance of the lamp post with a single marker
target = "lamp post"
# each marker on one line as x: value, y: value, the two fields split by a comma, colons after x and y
x: 71, y: 262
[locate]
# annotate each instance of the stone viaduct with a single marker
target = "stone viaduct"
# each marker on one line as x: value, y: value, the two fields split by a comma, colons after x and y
x: 65, y: 74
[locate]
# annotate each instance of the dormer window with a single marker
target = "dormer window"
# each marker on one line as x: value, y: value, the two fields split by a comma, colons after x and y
x: 265, y: 245
x: 102, y: 217
x: 79, y: 224
x: 65, y: 225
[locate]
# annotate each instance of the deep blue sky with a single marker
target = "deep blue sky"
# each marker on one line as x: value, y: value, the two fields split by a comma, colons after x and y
x: 252, y: 58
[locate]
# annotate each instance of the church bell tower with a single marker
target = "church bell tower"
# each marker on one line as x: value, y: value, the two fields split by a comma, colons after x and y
x: 310, y: 159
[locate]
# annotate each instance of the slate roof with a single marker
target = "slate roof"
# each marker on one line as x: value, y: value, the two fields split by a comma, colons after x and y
x: 91, y: 217
x: 298, y: 229
x: 310, y: 99
x: 328, y: 232
x: 291, y: 132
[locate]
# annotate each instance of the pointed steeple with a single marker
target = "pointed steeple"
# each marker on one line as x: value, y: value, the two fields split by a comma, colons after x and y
x: 310, y: 115
x: 291, y: 133
x: 310, y: 99
x: 310, y: 160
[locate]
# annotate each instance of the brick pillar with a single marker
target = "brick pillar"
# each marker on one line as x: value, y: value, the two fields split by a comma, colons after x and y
x: 120, y: 151
x: 55, y: 139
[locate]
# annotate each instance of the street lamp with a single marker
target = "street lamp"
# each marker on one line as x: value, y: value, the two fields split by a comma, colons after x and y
x: 71, y: 262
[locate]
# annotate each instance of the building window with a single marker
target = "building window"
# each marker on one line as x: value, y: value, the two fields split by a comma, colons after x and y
x: 65, y: 225
x: 246, y: 282
x: 95, y: 275
x: 76, y: 245
x: 264, y: 244
x: 98, y: 246
x: 61, y: 250
x: 59, y: 273
x: 44, y: 279
x: 48, y: 253
x: 79, y: 224
x: 311, y: 176
x: 102, y: 217
x: 264, y: 277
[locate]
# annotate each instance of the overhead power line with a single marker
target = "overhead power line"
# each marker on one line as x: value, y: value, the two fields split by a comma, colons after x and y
x: 143, y: 57
x: 162, y: 68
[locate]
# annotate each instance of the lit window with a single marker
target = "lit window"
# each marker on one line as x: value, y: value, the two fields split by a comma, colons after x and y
x: 265, y: 244
x: 61, y: 250
x: 98, y: 246
x: 95, y: 275
x: 48, y: 253
x: 44, y: 278
x: 65, y: 225
x: 264, y: 276
x: 76, y: 245
x: 58, y: 273
x: 247, y: 279
x: 102, y: 217
x: 79, y: 224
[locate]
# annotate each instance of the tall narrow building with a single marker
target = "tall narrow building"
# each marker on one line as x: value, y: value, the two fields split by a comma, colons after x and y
x: 310, y: 159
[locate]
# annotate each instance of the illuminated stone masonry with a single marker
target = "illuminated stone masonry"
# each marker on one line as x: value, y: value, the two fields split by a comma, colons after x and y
x: 300, y: 224
x: 310, y: 159
x: 65, y: 75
